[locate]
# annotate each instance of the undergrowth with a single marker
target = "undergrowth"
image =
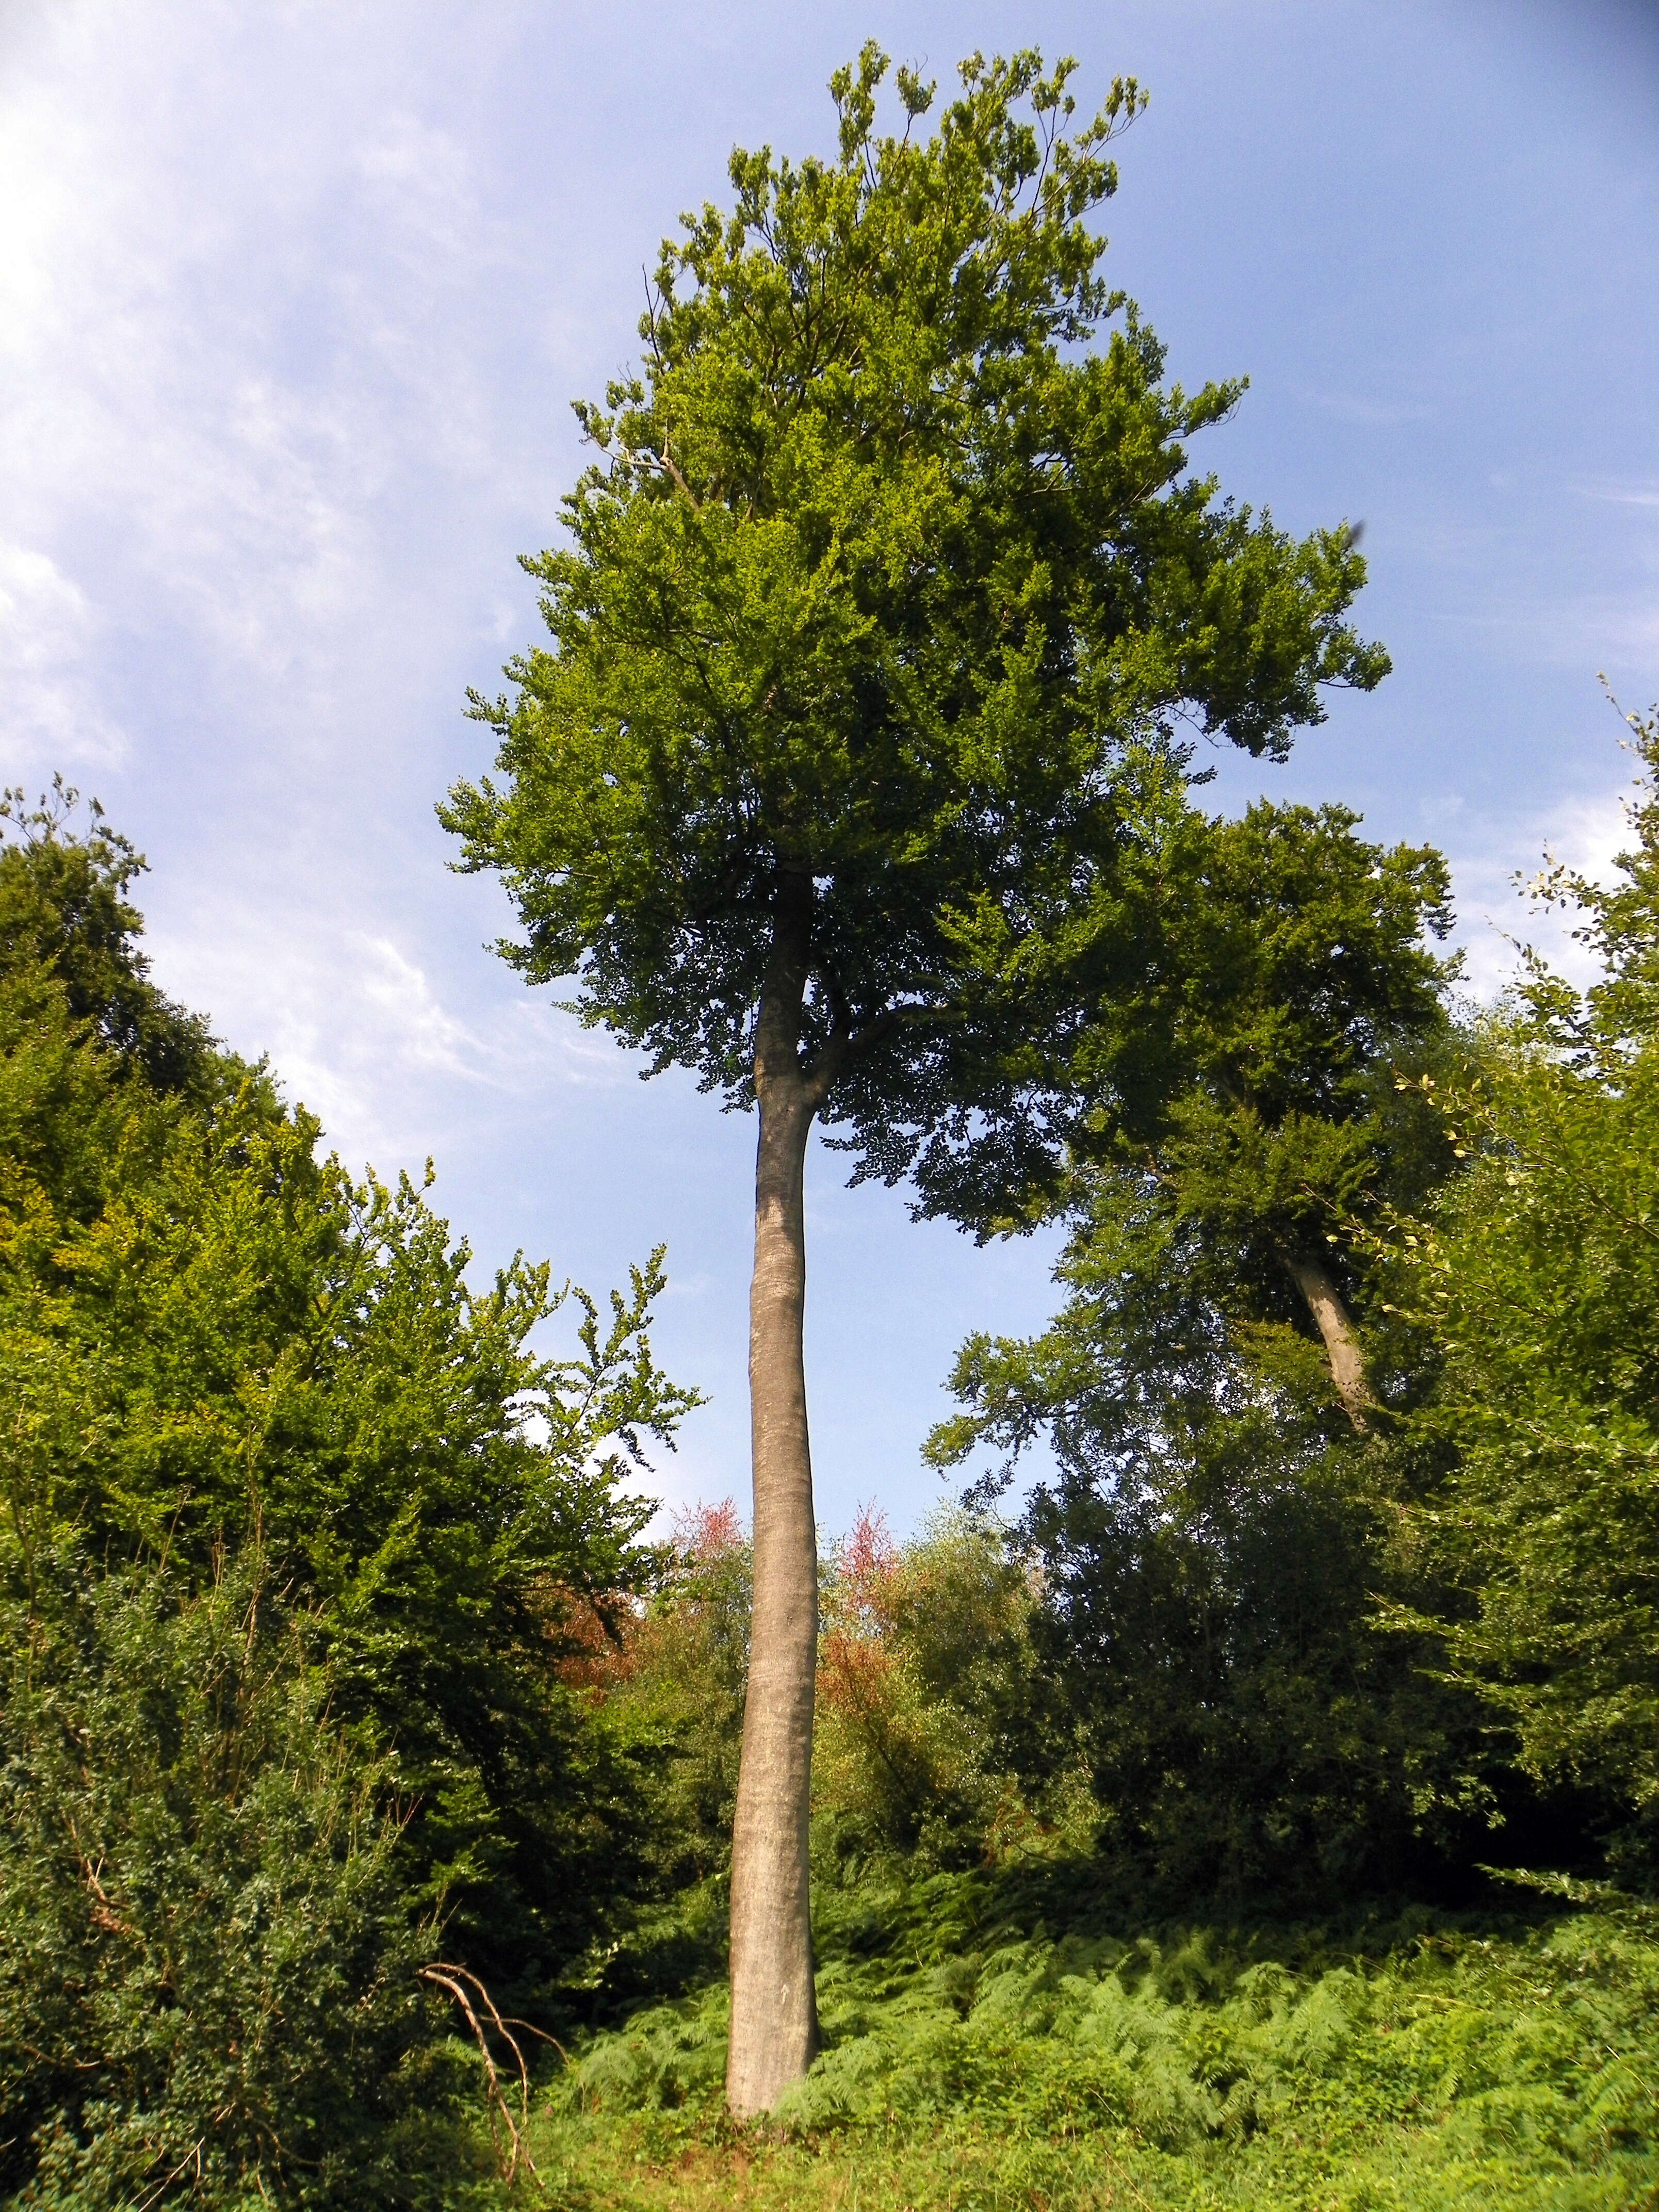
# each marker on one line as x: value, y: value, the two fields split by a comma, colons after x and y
x: 1010, y: 2042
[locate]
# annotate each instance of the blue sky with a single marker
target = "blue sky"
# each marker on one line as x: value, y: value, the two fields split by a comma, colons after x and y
x: 293, y: 297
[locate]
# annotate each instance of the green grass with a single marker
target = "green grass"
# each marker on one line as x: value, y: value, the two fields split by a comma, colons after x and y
x: 998, y: 2042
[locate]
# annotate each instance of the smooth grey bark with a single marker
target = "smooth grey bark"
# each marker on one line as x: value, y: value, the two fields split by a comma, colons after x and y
x: 1335, y: 1326
x: 773, y: 2007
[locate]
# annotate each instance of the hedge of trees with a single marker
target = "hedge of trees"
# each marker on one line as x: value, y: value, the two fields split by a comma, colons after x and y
x: 338, y: 1670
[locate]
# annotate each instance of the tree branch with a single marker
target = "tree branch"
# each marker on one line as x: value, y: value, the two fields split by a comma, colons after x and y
x: 666, y: 461
x: 450, y: 1977
x: 1341, y: 1340
x: 846, y: 1046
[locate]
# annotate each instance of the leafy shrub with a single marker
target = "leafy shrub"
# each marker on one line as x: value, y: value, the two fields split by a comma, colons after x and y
x: 666, y: 1676
x: 210, y: 1338
x: 678, y: 1666
x: 1534, y: 1285
x: 208, y: 1983
x: 923, y: 1678
x: 298, y: 1533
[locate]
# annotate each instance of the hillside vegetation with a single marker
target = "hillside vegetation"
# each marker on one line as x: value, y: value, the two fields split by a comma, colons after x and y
x: 1244, y: 1792
x: 1158, y: 1834
x: 977, y: 2059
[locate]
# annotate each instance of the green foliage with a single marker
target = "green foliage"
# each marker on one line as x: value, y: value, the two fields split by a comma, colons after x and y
x: 1218, y: 1018
x: 1210, y: 1548
x: 1291, y: 969
x: 882, y: 574
x: 669, y: 1673
x: 211, y: 1338
x: 299, y: 1534
x: 975, y: 2055
x: 1212, y: 1537
x: 65, y: 912
x: 207, y: 1967
x: 681, y: 1668
x: 924, y: 1666
x: 1536, y: 1282
x: 925, y: 1658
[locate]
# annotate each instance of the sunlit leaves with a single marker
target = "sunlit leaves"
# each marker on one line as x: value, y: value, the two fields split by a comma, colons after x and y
x: 888, y: 555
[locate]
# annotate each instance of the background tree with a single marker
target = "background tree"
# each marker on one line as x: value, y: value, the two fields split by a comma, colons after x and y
x: 1232, y: 1011
x: 882, y: 570
x: 1212, y: 1537
x: 65, y: 911
x: 924, y: 1690
x: 1213, y: 1032
x: 1534, y: 1283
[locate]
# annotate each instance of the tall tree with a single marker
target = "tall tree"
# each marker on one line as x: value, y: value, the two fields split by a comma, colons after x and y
x: 881, y: 568
x: 1230, y: 1017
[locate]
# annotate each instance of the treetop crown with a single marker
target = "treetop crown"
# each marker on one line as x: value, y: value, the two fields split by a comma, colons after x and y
x: 889, y: 556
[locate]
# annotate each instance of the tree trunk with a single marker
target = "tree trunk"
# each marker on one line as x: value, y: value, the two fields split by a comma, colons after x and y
x: 1335, y: 1325
x: 774, y: 2009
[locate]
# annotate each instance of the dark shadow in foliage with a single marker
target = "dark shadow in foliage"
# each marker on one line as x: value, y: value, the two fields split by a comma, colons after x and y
x: 1209, y: 1548
x: 1248, y: 1733
x: 1087, y: 1897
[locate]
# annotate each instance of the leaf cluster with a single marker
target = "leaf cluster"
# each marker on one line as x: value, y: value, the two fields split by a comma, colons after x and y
x: 65, y: 912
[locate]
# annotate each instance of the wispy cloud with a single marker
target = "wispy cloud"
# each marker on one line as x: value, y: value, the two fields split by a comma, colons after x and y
x: 358, y: 1028
x: 1644, y: 493
x: 1492, y: 875
x: 1578, y: 631
x: 240, y: 306
x: 1370, y: 411
x: 49, y: 702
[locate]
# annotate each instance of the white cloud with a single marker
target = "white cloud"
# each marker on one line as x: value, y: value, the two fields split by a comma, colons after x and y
x: 357, y: 1029
x: 1496, y: 913
x: 1601, y: 630
x: 241, y: 284
x: 49, y: 704
x: 397, y: 995
x: 1370, y: 413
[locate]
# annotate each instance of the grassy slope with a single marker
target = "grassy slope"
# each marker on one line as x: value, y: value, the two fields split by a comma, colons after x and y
x: 975, y: 2058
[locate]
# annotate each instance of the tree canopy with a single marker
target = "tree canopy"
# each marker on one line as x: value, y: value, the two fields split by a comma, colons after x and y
x: 885, y: 559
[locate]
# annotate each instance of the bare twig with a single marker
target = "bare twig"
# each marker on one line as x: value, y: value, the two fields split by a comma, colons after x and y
x: 446, y: 1976
x: 161, y: 2188
x: 666, y: 461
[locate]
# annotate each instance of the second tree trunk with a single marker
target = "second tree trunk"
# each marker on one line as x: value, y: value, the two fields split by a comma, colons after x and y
x: 1343, y: 1349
